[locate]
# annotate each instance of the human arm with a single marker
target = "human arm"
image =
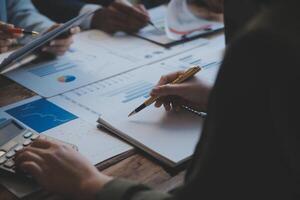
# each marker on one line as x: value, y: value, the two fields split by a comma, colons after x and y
x: 120, y: 16
x: 24, y: 14
x: 52, y: 165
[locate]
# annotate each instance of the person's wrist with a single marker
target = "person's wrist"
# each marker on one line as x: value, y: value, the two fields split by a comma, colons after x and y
x: 89, y: 187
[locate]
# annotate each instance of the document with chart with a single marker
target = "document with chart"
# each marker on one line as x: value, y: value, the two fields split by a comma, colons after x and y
x: 170, y: 137
x: 45, y: 117
x: 94, y: 56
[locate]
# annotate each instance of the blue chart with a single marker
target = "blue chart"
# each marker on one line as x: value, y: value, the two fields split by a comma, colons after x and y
x: 41, y: 115
x: 52, y: 67
x: 133, y: 91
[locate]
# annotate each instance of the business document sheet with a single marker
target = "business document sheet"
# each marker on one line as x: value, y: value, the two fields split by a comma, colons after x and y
x: 113, y: 99
x: 94, y: 56
x: 68, y: 125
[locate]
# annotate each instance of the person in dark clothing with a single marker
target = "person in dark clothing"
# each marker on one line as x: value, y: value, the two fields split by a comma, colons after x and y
x: 249, y: 147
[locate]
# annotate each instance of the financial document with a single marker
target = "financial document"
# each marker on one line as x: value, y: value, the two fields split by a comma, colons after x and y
x: 115, y: 98
x: 46, y: 117
x: 94, y: 56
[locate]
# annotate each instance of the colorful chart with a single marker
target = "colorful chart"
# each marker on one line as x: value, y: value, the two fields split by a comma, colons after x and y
x: 66, y: 79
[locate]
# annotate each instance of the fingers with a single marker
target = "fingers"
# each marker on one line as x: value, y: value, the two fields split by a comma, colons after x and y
x: 75, y: 30
x: 42, y: 144
x: 170, y: 103
x: 32, y: 168
x: 7, y: 39
x: 3, y: 49
x: 7, y: 42
x: 131, y: 11
x: 169, y: 89
x: 61, y: 44
x: 28, y: 155
x: 58, y: 46
x: 169, y: 78
x: 4, y: 26
x: 135, y: 18
x: 54, y: 27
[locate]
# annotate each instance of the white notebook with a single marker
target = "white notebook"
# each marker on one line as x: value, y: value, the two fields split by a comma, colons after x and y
x: 170, y: 137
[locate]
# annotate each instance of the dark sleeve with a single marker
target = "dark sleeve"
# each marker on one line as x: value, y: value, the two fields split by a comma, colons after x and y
x: 242, y: 153
x: 246, y: 150
x: 59, y: 10
x: 120, y: 189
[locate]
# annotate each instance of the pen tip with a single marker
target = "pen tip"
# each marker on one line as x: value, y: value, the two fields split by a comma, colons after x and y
x: 132, y: 113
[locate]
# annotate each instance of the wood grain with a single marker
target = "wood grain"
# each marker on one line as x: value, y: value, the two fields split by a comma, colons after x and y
x: 132, y: 165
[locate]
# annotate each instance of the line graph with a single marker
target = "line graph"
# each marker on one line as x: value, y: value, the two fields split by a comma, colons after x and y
x: 41, y: 115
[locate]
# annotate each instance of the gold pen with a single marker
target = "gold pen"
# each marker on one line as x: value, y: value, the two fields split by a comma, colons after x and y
x: 186, y: 75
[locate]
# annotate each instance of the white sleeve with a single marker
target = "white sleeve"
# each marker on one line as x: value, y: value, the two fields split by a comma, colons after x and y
x: 87, y: 8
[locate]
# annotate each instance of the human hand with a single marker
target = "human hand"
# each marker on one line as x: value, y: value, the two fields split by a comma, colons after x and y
x: 121, y: 17
x: 61, y: 170
x: 7, y: 39
x: 60, y: 45
x: 193, y: 93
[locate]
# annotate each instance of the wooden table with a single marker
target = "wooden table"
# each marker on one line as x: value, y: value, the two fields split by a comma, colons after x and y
x: 134, y: 165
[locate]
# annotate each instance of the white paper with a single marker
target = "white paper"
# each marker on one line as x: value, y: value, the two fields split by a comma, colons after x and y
x: 95, y: 145
x: 94, y: 56
x: 115, y: 98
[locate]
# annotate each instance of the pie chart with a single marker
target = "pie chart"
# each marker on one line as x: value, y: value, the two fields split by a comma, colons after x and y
x: 66, y: 79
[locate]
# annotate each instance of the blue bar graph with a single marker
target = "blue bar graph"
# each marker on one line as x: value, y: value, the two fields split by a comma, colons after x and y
x: 53, y: 67
x: 141, y: 92
x: 132, y: 91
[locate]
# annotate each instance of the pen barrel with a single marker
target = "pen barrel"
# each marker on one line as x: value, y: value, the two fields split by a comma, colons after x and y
x: 150, y: 101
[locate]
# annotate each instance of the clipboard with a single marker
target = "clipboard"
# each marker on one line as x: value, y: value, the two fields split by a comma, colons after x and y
x: 24, y: 54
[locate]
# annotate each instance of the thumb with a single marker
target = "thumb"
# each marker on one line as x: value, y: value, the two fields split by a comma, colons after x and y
x: 31, y: 168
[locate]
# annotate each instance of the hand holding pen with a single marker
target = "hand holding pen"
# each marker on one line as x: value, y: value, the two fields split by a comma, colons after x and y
x: 8, y: 38
x: 179, y: 89
x: 9, y: 35
x: 193, y: 93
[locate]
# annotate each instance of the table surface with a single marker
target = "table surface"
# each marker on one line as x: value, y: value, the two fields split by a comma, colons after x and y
x: 134, y: 165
